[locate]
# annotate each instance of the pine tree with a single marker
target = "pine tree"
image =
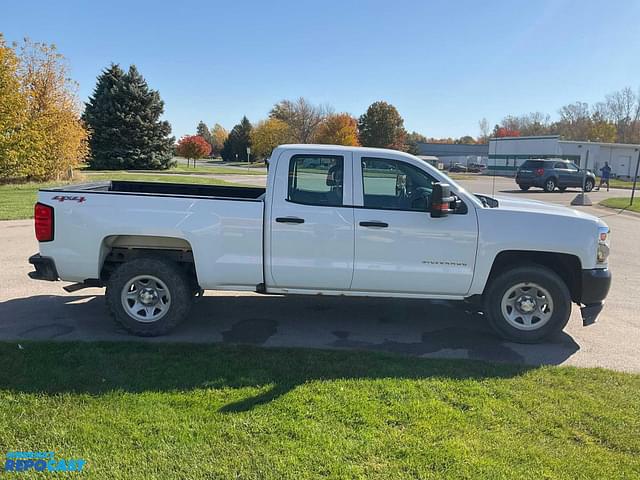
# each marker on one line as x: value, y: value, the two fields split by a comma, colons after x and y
x: 124, y: 117
x: 203, y: 131
x: 235, y: 146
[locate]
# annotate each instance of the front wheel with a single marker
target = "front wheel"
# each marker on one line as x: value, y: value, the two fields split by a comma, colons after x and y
x: 524, y: 188
x: 588, y: 185
x: 527, y: 304
x: 149, y: 296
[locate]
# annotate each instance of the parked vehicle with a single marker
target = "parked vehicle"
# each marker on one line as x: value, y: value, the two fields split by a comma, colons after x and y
x: 333, y: 221
x: 476, y: 167
x: 458, y: 168
x: 552, y: 174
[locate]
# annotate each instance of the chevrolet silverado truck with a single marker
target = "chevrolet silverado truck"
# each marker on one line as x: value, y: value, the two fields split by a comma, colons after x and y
x: 333, y: 220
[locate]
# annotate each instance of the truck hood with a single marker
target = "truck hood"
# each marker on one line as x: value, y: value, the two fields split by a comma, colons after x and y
x: 536, y: 206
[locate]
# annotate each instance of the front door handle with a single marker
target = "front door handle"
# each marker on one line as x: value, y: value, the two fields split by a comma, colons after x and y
x: 289, y: 220
x: 374, y: 224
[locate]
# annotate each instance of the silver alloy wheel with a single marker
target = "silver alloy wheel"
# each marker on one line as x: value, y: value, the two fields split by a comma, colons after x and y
x: 145, y: 298
x: 588, y: 186
x: 551, y: 185
x: 527, y: 306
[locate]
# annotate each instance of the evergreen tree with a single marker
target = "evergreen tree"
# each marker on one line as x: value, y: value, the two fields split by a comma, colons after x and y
x: 238, y: 141
x: 124, y: 117
x: 203, y: 131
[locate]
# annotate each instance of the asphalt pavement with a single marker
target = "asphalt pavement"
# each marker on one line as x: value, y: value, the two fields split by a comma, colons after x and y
x: 36, y: 310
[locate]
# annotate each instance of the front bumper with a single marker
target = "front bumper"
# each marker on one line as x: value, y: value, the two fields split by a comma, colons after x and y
x: 595, y: 287
x: 45, y: 268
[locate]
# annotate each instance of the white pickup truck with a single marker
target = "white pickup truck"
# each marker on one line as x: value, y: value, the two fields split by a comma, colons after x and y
x: 332, y: 221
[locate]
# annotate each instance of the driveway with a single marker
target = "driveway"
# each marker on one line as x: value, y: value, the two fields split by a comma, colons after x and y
x: 42, y: 310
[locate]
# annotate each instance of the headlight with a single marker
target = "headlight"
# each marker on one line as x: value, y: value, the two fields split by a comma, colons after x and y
x: 603, y: 245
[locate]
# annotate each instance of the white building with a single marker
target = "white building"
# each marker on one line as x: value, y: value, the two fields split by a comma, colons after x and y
x: 508, y: 153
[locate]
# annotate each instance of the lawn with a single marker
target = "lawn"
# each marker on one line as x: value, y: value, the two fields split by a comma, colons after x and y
x: 16, y: 201
x: 617, y: 183
x: 623, y: 203
x: 162, y: 410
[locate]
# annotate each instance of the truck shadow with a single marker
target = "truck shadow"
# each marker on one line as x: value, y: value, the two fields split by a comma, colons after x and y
x: 362, y: 326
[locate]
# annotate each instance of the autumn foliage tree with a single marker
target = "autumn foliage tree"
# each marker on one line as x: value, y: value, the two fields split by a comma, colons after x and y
x: 338, y: 129
x: 41, y: 134
x: 218, y: 136
x: 382, y: 126
x: 267, y: 135
x: 193, y: 147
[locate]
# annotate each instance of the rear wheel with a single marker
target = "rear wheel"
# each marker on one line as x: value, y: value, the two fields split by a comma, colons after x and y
x: 527, y: 304
x: 550, y: 185
x: 149, y: 296
x: 524, y: 188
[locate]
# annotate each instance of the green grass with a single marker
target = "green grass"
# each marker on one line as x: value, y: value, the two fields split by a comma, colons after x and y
x: 134, y: 410
x: 622, y: 202
x: 16, y: 201
x: 617, y: 183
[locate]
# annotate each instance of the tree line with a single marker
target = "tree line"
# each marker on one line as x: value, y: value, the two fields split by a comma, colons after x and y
x: 300, y: 121
x: 45, y: 132
x: 616, y: 119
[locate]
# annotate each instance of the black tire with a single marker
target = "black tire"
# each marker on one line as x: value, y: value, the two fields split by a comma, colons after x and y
x: 524, y: 188
x: 550, y: 185
x: 588, y: 185
x: 562, y: 189
x: 169, y: 273
x: 528, y: 274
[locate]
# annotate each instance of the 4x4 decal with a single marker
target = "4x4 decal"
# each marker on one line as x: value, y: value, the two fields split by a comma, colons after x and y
x: 71, y: 198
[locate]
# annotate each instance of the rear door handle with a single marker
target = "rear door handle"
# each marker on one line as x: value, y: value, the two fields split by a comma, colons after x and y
x: 289, y: 220
x: 374, y: 224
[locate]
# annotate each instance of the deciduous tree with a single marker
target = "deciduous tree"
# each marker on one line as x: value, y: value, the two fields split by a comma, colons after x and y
x: 218, y: 136
x: 193, y: 147
x: 382, y: 126
x: 14, y: 141
x: 267, y: 135
x: 302, y: 117
x: 52, y: 139
x: 338, y: 129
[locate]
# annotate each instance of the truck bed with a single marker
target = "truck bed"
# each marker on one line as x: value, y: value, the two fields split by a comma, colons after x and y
x: 170, y: 189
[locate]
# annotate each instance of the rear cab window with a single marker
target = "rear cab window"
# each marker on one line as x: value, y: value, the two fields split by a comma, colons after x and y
x: 533, y: 164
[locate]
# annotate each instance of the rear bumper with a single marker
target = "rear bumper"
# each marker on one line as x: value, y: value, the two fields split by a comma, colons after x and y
x: 45, y: 268
x: 595, y: 287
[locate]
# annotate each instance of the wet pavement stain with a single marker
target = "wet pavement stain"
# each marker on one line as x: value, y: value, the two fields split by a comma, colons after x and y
x: 45, y: 332
x: 254, y: 331
x: 479, y: 345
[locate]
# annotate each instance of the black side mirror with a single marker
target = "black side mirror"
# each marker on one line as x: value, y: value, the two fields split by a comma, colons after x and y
x: 441, y: 200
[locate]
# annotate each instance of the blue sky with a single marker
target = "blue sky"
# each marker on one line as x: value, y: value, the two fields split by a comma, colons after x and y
x: 443, y: 64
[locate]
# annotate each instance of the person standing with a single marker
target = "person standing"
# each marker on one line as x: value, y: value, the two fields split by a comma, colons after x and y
x: 605, y: 175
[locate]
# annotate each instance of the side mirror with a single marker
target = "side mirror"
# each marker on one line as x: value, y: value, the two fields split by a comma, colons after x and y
x: 441, y: 200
